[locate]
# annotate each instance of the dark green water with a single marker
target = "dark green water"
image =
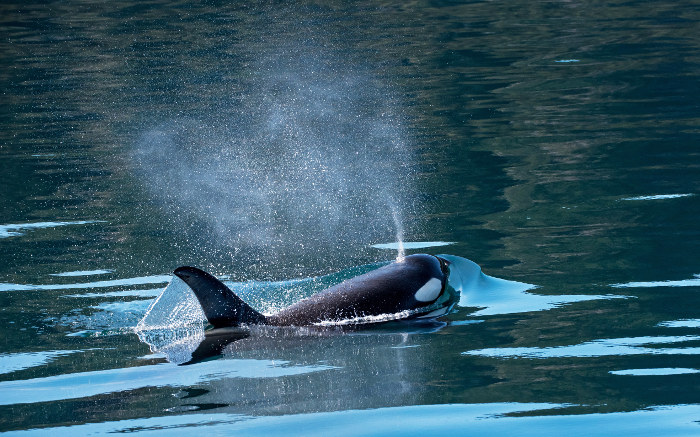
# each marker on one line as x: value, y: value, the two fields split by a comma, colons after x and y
x: 552, y: 143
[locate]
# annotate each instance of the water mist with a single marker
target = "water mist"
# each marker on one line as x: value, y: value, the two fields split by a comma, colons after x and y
x: 308, y: 162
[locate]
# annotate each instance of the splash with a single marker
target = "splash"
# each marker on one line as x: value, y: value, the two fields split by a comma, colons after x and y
x: 174, y: 323
x: 368, y: 320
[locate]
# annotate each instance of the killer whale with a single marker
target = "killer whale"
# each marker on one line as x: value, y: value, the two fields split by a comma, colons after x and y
x: 415, y: 287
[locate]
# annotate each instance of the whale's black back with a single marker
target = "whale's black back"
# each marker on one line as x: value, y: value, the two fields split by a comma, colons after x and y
x: 388, y: 290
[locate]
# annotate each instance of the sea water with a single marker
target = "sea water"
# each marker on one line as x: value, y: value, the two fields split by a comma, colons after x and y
x: 551, y: 144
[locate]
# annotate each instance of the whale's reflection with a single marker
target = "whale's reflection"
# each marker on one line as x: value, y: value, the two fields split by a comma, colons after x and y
x: 214, y: 343
x: 185, y: 347
x: 385, y: 364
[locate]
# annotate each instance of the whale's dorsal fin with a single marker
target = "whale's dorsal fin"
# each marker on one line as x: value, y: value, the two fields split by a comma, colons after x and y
x: 221, y: 305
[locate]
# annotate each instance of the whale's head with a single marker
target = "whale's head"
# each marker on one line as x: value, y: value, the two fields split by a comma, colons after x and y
x: 435, y: 295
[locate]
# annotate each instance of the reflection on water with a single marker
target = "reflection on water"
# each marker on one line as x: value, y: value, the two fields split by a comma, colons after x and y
x: 12, y: 362
x: 148, y: 293
x: 154, y: 279
x: 655, y: 372
x: 455, y: 419
x: 598, y: 348
x: 14, y: 230
x: 136, y: 307
x: 680, y: 283
x: 686, y: 323
x: 365, y: 369
x: 659, y: 197
x: 87, y: 384
x: 83, y: 273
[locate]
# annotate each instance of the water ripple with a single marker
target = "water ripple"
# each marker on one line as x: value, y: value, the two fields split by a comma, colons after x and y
x: 679, y: 283
x: 16, y: 229
x: 86, y: 384
x: 154, y: 279
x: 659, y: 196
x: 415, y: 420
x: 595, y: 348
x: 83, y: 273
x: 19, y: 361
x: 500, y: 296
x: 655, y: 372
x: 145, y: 293
x: 683, y: 323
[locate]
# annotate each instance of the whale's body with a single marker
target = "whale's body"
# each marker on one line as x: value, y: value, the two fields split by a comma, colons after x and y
x: 415, y: 287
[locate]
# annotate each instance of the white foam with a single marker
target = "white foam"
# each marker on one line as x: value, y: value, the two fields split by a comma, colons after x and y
x: 367, y: 319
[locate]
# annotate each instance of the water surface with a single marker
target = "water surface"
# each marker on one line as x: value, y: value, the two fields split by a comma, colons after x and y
x: 554, y: 144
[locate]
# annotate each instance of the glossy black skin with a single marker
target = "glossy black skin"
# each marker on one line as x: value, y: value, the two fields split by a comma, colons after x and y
x: 388, y: 290
x: 221, y: 305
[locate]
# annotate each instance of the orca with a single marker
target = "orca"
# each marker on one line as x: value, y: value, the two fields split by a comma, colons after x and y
x: 414, y: 287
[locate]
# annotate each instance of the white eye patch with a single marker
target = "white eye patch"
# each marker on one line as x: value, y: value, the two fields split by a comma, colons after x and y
x: 430, y: 291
